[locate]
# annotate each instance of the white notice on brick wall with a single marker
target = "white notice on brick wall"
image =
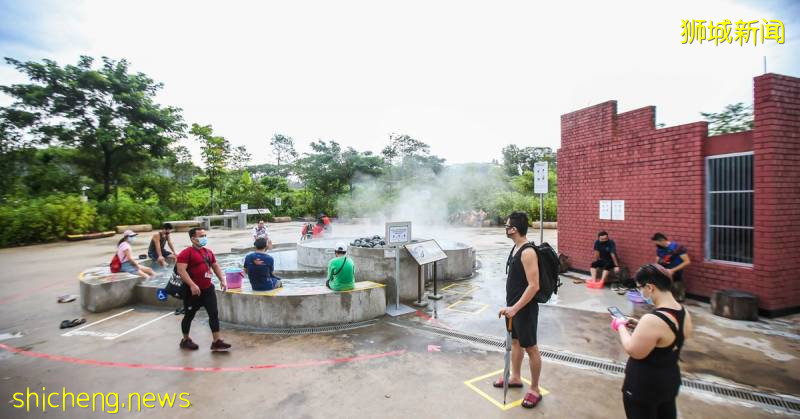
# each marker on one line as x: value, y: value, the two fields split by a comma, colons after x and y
x: 605, y: 210
x: 618, y: 210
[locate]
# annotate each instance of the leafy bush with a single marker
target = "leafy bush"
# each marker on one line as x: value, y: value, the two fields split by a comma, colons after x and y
x: 44, y: 219
x: 127, y: 211
x: 505, y: 203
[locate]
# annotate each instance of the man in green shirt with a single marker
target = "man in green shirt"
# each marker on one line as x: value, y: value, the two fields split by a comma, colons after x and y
x: 340, y: 270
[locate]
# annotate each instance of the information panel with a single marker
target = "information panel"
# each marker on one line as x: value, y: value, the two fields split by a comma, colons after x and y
x: 605, y: 209
x: 398, y: 232
x: 426, y: 252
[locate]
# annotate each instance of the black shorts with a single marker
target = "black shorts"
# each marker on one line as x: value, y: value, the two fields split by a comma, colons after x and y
x: 524, y: 325
x: 153, y: 255
x: 603, y: 264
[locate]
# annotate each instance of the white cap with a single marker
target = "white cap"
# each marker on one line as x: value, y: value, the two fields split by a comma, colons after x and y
x: 340, y: 247
x: 129, y: 233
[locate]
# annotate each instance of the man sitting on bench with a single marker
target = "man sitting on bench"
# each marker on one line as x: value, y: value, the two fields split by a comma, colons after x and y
x: 340, y: 270
x: 260, y: 267
x: 605, y: 257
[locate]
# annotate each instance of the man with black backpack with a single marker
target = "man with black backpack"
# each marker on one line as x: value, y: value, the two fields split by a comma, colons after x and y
x: 522, y: 285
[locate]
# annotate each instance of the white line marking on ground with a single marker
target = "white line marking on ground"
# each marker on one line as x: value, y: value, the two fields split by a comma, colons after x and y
x: 93, y: 333
x: 99, y: 321
x: 140, y: 326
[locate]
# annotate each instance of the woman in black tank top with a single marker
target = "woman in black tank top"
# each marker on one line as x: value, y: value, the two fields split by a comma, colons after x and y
x: 652, y: 374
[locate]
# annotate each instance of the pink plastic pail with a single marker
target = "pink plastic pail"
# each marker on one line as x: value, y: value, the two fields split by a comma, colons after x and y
x: 234, y: 278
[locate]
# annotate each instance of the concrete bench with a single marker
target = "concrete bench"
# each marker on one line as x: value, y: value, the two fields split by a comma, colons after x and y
x: 185, y: 225
x: 282, y: 219
x: 302, y: 307
x: 236, y: 220
x: 100, y: 291
x: 136, y: 228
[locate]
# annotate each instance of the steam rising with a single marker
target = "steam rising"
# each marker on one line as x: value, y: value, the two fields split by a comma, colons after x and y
x: 426, y: 199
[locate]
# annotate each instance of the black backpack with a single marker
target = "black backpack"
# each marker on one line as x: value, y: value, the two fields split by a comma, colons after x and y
x: 549, y: 265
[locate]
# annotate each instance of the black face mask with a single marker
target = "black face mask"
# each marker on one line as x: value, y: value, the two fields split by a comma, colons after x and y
x: 660, y: 246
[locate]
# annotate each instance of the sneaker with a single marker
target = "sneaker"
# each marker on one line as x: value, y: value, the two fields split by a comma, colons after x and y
x: 188, y: 344
x: 220, y: 345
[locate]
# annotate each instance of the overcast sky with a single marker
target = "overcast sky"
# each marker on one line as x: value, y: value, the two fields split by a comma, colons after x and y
x: 465, y: 77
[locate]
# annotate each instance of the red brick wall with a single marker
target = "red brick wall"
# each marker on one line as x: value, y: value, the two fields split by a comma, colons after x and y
x: 776, y: 146
x: 660, y: 175
x: 729, y: 143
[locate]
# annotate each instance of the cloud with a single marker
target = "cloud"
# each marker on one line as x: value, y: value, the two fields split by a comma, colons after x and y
x: 465, y: 77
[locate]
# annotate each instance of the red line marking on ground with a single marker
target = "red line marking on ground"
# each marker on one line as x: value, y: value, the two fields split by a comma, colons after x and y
x: 72, y: 360
x: 431, y: 319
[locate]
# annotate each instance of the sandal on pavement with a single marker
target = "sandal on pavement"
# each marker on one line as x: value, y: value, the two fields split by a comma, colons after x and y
x: 67, y: 298
x: 531, y: 400
x: 72, y: 323
x: 499, y: 384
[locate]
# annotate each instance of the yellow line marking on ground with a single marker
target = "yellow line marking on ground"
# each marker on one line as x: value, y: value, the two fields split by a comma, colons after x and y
x: 484, y: 306
x: 470, y: 288
x: 500, y: 405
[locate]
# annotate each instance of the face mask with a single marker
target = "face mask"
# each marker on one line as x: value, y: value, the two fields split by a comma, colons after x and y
x: 202, y: 241
x: 130, y: 239
x: 646, y: 300
x: 508, y: 232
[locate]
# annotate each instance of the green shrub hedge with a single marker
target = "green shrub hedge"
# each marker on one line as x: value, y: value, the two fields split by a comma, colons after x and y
x: 44, y: 219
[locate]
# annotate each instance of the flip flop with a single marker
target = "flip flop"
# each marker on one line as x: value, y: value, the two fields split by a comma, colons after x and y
x: 530, y: 400
x: 499, y: 384
x: 67, y: 298
x: 72, y: 323
x: 578, y: 280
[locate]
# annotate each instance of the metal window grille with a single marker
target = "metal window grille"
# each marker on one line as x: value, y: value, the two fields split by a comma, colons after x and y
x: 729, y: 208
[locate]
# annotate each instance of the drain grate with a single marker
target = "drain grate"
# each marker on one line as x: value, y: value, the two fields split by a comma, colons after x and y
x: 305, y: 330
x: 789, y: 404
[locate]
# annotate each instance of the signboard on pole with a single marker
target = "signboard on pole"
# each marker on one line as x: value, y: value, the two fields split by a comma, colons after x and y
x: 398, y: 233
x: 243, y: 207
x: 425, y: 252
x: 277, y: 201
x: 540, y: 183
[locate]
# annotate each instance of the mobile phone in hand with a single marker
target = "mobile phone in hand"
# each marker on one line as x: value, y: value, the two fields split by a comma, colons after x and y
x: 616, y: 312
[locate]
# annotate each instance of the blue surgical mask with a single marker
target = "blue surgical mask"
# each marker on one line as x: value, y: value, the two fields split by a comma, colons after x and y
x: 130, y: 239
x: 646, y: 300
x: 202, y: 241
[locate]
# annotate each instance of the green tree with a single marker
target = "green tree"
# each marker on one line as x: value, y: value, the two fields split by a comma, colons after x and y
x: 409, y: 160
x: 357, y: 164
x: 283, y: 150
x: 239, y: 158
x: 328, y: 171
x: 216, y: 153
x: 402, y: 145
x: 734, y: 118
x: 109, y: 115
x: 516, y: 160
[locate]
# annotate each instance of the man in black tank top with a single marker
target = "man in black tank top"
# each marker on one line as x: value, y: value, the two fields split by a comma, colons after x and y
x: 522, y: 284
x: 157, y: 251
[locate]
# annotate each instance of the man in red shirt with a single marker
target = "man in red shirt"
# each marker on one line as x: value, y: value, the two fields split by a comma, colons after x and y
x: 194, y: 265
